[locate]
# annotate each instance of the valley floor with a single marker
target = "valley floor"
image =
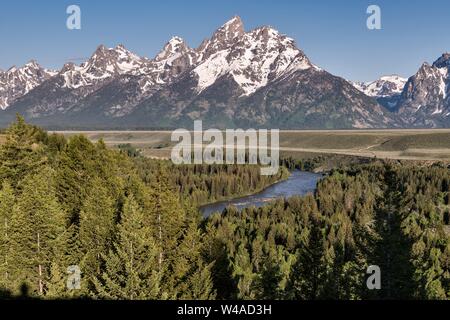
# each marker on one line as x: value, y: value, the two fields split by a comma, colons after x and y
x: 407, y: 144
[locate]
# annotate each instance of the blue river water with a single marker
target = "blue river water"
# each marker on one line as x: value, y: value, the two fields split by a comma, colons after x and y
x: 298, y: 183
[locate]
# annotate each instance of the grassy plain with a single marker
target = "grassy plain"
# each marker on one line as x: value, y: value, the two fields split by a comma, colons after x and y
x: 408, y: 144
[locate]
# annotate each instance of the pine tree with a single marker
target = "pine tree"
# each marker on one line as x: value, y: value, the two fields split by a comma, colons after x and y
x: 7, y: 200
x: 131, y: 265
x: 190, y: 276
x: 57, y: 287
x: 432, y: 276
x: 22, y: 153
x: 268, y: 282
x: 36, y: 224
x: 309, y: 271
x: 243, y: 273
x: 76, y: 169
x: 96, y: 231
x: 167, y: 220
x: 68, y: 255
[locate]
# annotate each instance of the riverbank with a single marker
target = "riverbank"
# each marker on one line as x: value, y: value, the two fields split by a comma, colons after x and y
x: 298, y: 183
x: 247, y: 194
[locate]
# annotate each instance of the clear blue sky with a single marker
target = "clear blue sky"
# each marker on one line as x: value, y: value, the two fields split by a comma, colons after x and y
x: 333, y: 33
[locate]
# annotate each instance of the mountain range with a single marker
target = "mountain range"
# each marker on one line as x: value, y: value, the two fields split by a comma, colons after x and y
x: 236, y: 78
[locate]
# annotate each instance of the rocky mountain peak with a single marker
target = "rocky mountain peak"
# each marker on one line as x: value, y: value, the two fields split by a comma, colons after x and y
x: 231, y: 29
x: 251, y: 59
x: 443, y: 61
x: 385, y: 86
x: 32, y: 64
x: 174, y: 59
x: 112, y: 60
x: 101, y: 49
x: 424, y: 69
x: 16, y: 82
x: 266, y: 32
x: 223, y: 38
x: 69, y: 66
x: 424, y: 101
x: 175, y: 47
x: 103, y: 64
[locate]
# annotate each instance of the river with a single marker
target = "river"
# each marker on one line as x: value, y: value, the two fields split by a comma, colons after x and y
x: 298, y: 183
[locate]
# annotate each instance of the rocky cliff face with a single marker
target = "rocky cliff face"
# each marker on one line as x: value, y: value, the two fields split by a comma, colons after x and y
x: 17, y: 82
x: 425, y: 99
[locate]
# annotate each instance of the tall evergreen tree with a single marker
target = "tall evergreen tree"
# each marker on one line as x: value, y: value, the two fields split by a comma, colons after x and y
x: 68, y: 255
x: 309, y: 271
x: 131, y: 265
x: 167, y: 220
x: 76, y: 169
x: 7, y: 200
x: 190, y: 276
x: 36, y: 224
x: 22, y: 153
x: 268, y: 282
x: 96, y: 232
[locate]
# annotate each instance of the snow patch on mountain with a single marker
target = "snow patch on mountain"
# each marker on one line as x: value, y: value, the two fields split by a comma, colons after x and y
x: 211, y: 69
x: 252, y: 60
x: 385, y: 86
x: 103, y: 64
x: 16, y: 82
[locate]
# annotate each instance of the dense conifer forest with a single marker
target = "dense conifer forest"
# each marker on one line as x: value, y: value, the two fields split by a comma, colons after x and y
x: 133, y: 228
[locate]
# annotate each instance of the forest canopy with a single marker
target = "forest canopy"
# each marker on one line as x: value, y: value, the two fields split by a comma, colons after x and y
x: 133, y: 228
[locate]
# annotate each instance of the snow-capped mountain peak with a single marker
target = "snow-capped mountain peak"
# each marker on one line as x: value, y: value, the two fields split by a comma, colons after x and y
x: 173, y: 49
x: 252, y: 59
x: 224, y: 37
x: 104, y: 64
x: 385, y: 86
x: 16, y: 82
x: 175, y: 58
x: 231, y: 29
x: 112, y: 61
x: 426, y: 94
